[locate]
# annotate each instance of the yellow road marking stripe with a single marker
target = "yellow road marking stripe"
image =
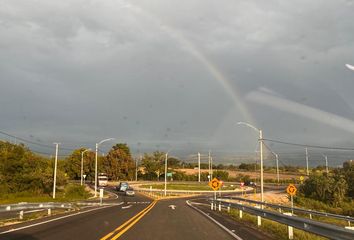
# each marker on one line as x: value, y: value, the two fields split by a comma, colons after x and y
x: 132, y: 224
x: 127, y: 222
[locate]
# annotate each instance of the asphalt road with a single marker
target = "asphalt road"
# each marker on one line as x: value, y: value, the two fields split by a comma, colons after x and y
x: 136, y: 218
x: 93, y: 224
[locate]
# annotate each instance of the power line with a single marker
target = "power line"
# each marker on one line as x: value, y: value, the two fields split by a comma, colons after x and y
x: 31, y: 142
x: 309, y: 146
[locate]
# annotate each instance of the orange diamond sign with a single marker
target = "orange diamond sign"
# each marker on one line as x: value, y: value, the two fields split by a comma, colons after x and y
x: 215, y: 184
x: 291, y: 189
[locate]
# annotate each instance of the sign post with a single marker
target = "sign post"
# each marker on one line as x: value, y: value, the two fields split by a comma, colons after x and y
x: 101, y: 195
x: 215, y: 184
x: 302, y: 179
x: 291, y: 190
x: 84, y: 176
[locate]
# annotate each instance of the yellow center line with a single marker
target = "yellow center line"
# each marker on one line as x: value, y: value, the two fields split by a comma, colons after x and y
x: 127, y: 222
x: 132, y: 224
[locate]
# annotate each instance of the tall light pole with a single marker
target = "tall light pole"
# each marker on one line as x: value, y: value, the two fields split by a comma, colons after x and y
x: 326, y: 159
x: 82, y: 163
x: 97, y: 145
x: 55, y: 168
x: 261, y: 152
x: 198, y: 167
x: 166, y: 157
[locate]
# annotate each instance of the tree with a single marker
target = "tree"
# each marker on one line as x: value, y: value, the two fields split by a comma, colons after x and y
x: 154, y: 164
x: 119, y: 164
x: 23, y: 171
x: 173, y: 162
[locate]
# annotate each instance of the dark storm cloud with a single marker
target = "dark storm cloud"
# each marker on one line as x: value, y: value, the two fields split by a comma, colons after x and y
x: 79, y: 71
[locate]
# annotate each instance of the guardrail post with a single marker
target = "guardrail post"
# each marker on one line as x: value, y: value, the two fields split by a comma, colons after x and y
x: 219, y: 206
x: 8, y: 208
x: 348, y: 223
x: 240, y: 215
x: 259, y: 219
x: 310, y: 216
x: 228, y: 209
x: 211, y: 205
x: 290, y: 229
x: 49, y: 211
x: 21, y: 215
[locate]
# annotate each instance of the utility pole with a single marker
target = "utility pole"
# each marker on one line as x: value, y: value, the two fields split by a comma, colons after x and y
x: 198, y: 167
x: 277, y: 160
x: 261, y: 151
x: 55, y: 168
x: 211, y: 167
x: 307, y: 162
x: 326, y: 159
x: 209, y: 172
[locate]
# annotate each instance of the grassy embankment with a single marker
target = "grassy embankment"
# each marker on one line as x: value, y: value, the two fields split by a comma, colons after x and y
x: 184, y: 186
x: 70, y: 192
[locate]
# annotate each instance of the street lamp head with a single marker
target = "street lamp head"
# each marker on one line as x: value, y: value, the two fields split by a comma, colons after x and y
x: 105, y: 140
x: 249, y: 125
x: 351, y: 67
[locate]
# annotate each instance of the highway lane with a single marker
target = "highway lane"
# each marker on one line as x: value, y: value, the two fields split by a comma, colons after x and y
x: 183, y: 222
x: 89, y: 225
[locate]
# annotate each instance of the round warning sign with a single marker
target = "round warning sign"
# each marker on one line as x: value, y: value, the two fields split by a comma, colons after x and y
x: 215, y: 184
x: 291, y: 189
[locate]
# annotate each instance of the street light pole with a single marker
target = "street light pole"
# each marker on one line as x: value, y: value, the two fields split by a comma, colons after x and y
x: 198, y: 167
x: 166, y: 156
x: 277, y: 160
x: 82, y: 163
x: 261, y: 153
x: 97, y: 145
x: 55, y: 168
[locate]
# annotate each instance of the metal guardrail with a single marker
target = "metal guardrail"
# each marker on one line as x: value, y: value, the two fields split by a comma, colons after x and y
x: 299, y: 210
x: 322, y: 229
x: 26, y: 206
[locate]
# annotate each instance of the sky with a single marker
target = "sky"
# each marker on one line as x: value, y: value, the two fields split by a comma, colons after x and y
x: 178, y: 75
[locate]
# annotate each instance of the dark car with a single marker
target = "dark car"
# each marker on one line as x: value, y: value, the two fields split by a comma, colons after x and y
x: 122, y: 187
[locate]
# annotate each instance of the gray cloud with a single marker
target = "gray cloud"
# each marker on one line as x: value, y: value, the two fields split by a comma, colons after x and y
x: 78, y: 71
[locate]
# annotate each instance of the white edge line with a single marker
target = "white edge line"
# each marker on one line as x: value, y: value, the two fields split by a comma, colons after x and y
x: 55, y: 219
x: 125, y: 207
x: 216, y: 222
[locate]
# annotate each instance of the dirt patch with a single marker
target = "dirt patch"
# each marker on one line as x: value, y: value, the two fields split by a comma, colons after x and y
x: 236, y: 173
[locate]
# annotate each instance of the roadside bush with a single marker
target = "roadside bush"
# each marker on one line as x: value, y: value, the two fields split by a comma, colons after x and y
x: 73, y: 191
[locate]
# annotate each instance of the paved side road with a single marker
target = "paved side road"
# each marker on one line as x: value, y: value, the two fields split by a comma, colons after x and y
x: 90, y: 225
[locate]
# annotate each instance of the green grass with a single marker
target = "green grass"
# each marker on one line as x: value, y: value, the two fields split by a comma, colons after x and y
x: 189, y: 186
x: 275, y: 229
x: 71, y: 192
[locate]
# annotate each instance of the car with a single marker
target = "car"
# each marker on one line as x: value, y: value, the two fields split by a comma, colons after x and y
x: 129, y: 192
x: 122, y: 187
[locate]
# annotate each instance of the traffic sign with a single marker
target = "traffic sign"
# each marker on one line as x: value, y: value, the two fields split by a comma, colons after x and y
x: 291, y: 189
x: 84, y: 175
x: 242, y: 184
x: 215, y: 184
x: 169, y: 174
